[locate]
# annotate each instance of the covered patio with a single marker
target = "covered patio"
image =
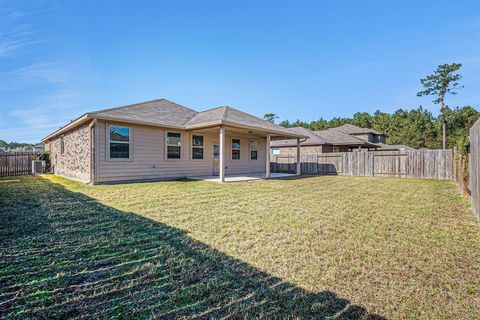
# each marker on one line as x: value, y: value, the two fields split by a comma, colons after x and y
x: 240, y: 144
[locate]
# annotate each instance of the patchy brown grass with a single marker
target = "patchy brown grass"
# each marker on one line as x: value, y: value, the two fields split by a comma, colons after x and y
x: 319, y: 247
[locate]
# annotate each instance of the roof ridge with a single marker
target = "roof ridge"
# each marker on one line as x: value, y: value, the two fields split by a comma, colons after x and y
x: 250, y: 115
x: 225, y: 111
x: 212, y: 109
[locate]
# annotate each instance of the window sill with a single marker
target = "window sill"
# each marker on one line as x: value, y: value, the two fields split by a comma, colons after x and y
x: 118, y: 159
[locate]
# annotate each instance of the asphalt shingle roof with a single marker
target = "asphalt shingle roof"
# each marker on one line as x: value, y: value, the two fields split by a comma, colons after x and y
x: 162, y: 112
x: 158, y: 112
x: 329, y: 136
x: 352, y: 129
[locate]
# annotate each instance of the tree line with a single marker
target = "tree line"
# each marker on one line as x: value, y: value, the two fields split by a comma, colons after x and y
x: 15, y: 146
x: 417, y: 127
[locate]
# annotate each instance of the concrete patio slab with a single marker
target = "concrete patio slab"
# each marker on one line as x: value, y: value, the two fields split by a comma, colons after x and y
x: 240, y: 178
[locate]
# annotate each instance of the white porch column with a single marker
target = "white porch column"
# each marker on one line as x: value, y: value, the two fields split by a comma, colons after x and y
x: 267, y: 158
x: 298, y: 171
x: 222, y: 154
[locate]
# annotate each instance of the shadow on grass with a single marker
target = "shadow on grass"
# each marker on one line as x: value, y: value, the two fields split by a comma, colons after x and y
x: 64, y: 255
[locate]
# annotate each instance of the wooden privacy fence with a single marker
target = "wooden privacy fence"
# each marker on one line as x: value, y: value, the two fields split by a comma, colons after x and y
x: 430, y: 164
x: 16, y: 163
x: 474, y: 176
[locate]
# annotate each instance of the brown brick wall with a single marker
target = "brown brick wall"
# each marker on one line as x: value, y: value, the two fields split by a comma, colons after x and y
x: 75, y: 161
x: 307, y: 149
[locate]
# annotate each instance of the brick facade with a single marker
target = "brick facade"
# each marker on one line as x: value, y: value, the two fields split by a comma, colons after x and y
x: 74, y: 163
x: 311, y: 149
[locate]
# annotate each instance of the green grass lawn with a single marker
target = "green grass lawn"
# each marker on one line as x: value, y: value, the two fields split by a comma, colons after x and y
x: 318, y: 247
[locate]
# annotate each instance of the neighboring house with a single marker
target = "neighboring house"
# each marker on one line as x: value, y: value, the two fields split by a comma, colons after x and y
x: 364, y: 134
x: 345, y: 138
x: 321, y: 142
x: 2, y: 151
x: 39, y: 147
x: 372, y: 136
x: 160, y: 139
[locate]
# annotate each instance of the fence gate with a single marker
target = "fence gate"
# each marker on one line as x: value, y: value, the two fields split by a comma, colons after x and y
x: 388, y: 165
x: 16, y: 163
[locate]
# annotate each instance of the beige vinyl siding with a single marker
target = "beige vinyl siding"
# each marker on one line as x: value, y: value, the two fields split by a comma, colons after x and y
x: 148, y: 156
x: 244, y: 165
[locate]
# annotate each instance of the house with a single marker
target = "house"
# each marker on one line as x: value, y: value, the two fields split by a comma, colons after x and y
x: 2, y: 151
x: 39, y: 147
x: 364, y: 134
x: 160, y: 139
x: 371, y: 136
x: 345, y: 138
x: 321, y: 142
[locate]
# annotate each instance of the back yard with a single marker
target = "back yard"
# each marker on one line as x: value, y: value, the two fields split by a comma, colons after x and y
x: 334, y: 247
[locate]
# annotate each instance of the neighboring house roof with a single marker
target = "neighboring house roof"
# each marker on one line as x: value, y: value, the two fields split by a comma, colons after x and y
x: 2, y: 151
x: 339, y: 137
x: 164, y: 113
x: 39, y: 145
x: 329, y: 137
x: 313, y: 139
x: 352, y: 129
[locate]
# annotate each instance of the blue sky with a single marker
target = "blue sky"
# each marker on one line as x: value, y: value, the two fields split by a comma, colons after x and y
x: 299, y: 59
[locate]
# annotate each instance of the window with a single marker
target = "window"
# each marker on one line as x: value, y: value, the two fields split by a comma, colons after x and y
x: 336, y: 149
x: 173, y: 145
x: 235, y: 149
x: 216, y: 151
x: 275, y: 150
x: 119, y: 141
x: 197, y: 147
x: 62, y: 145
x: 253, y: 150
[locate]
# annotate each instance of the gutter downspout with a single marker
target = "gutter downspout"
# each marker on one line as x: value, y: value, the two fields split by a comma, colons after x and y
x: 91, y: 131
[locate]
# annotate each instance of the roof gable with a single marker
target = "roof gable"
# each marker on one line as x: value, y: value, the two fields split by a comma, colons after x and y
x: 208, y: 116
x: 237, y: 117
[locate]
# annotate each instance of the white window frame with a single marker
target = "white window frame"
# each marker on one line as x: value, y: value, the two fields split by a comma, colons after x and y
x: 250, y: 150
x: 130, y: 148
x: 173, y: 145
x: 202, y: 147
x: 239, y: 149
